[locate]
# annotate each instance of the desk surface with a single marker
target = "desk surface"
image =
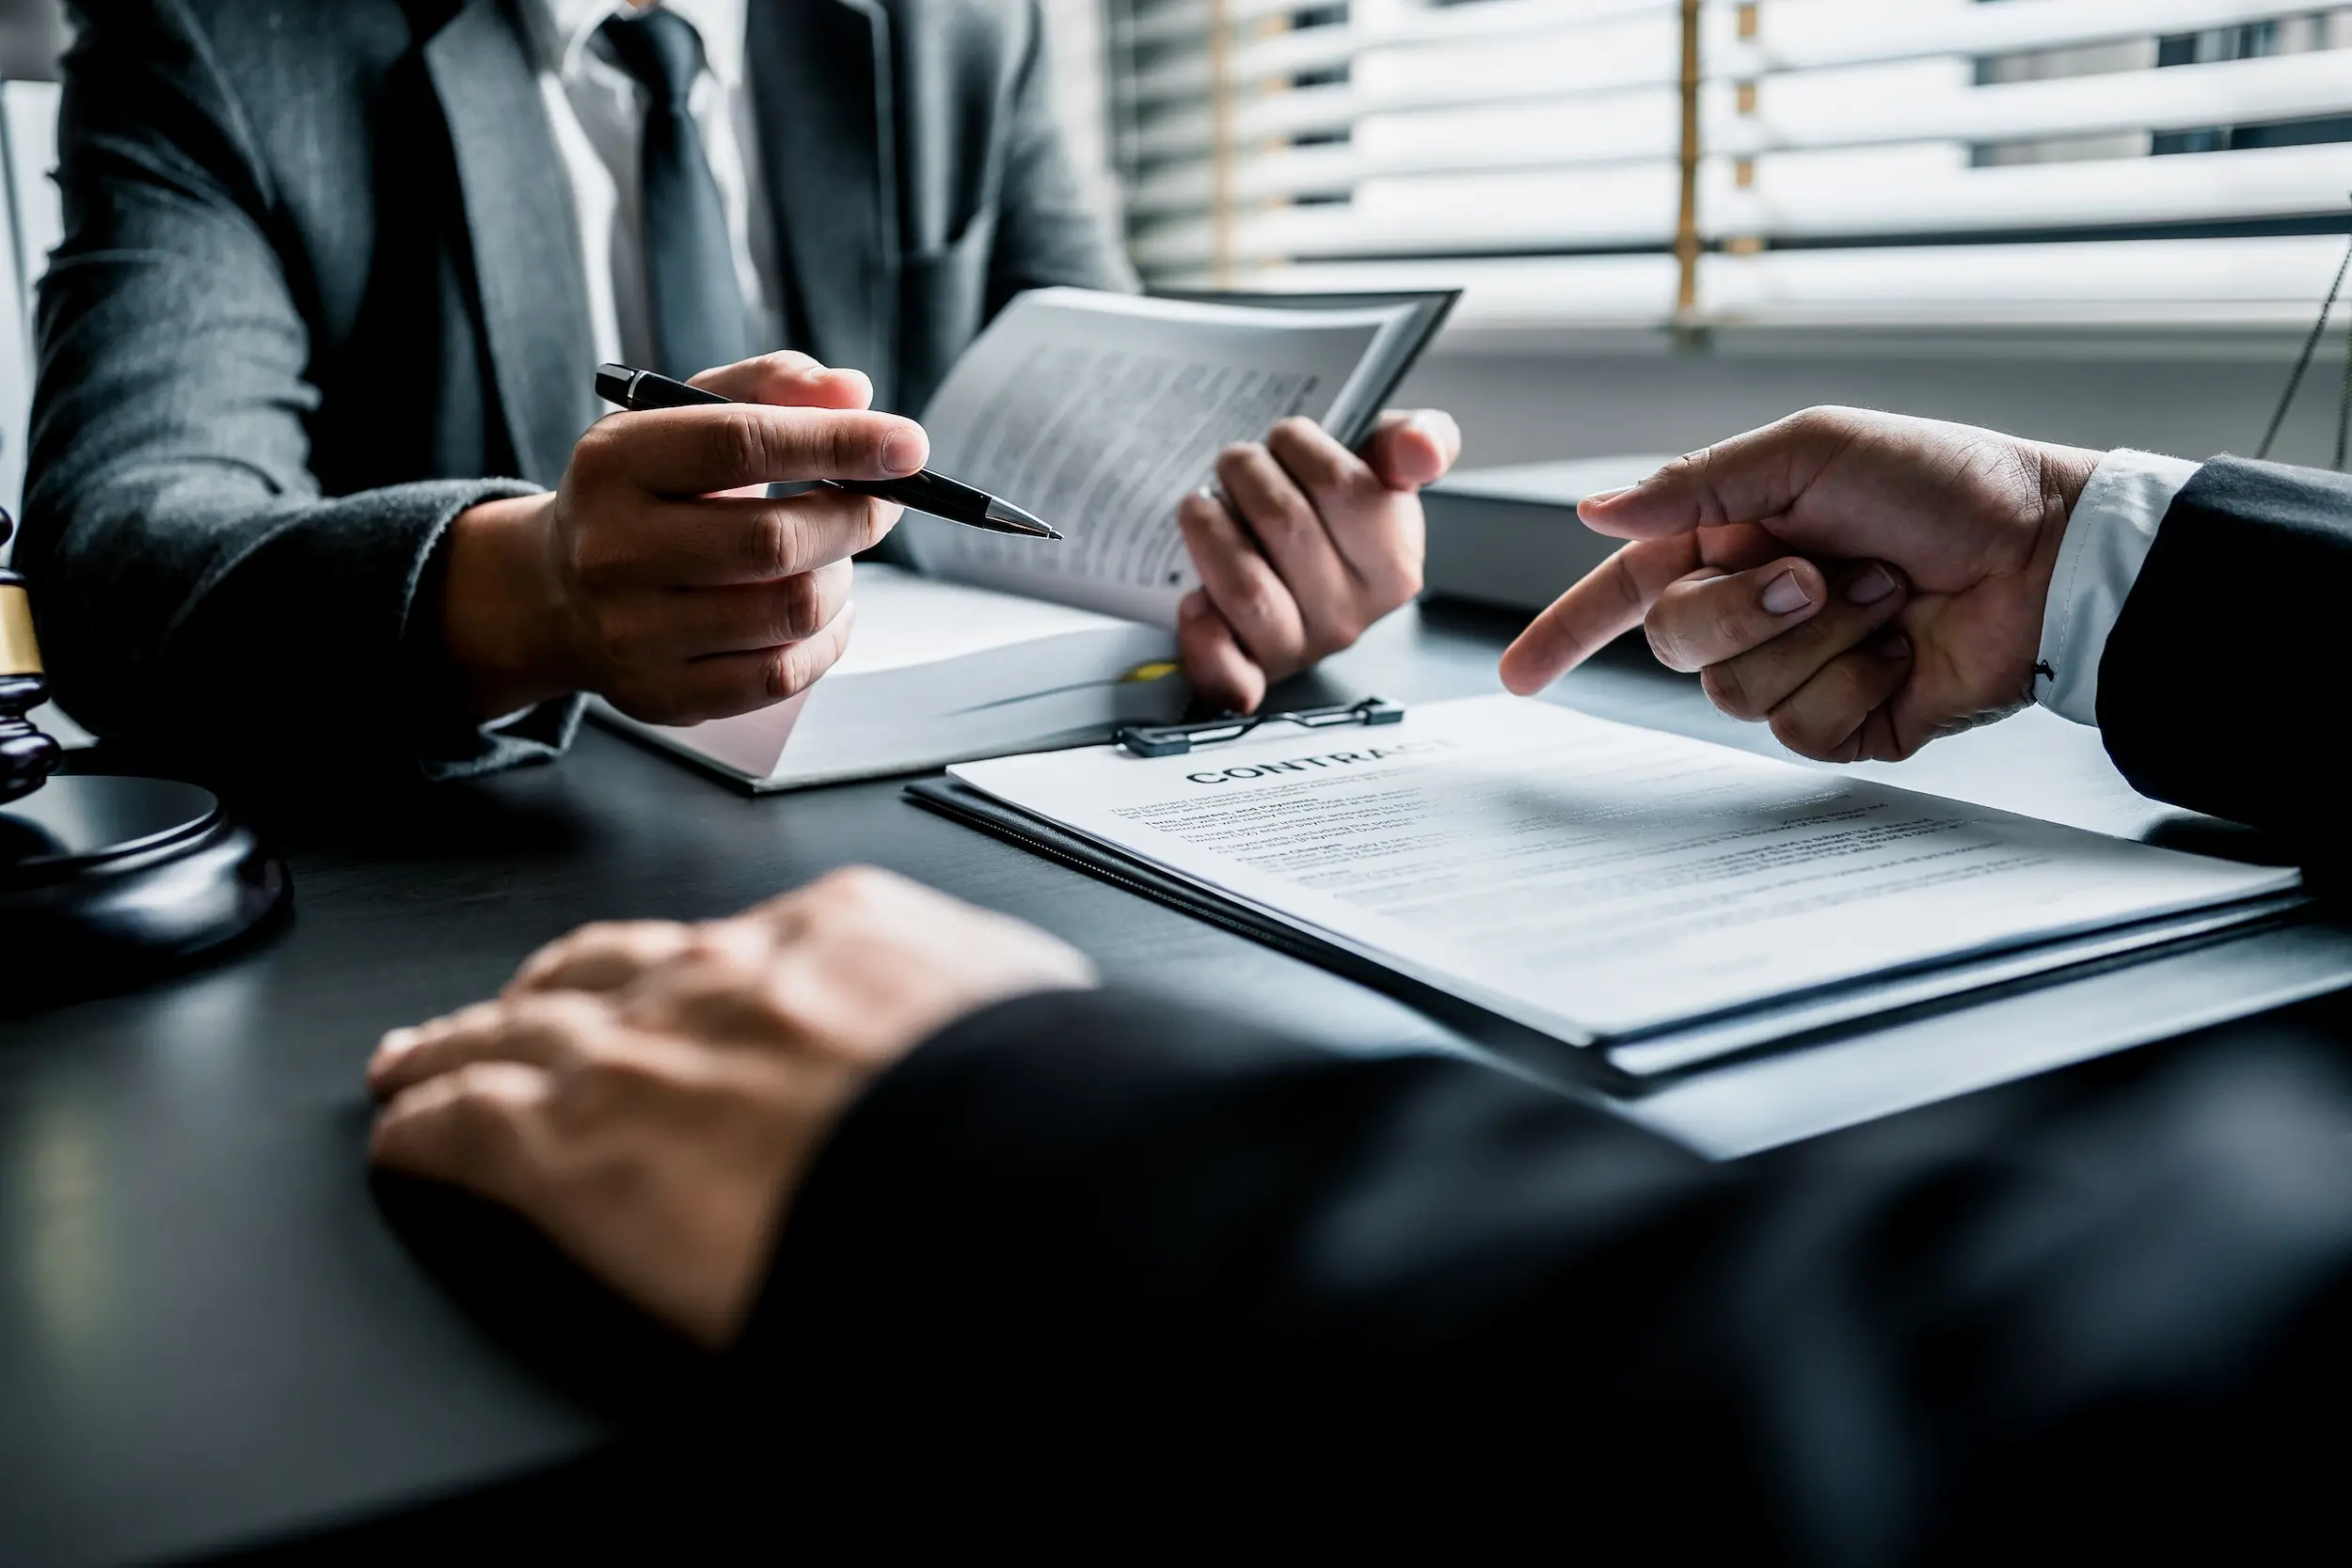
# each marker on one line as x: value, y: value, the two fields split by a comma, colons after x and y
x: 209, y: 1332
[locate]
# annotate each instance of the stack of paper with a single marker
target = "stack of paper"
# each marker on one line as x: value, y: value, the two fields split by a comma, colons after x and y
x: 1674, y: 899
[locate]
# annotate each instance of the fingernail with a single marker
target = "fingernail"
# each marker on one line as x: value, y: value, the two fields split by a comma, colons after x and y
x: 1602, y: 498
x: 1872, y: 586
x: 1895, y: 646
x: 1785, y: 594
x: 905, y: 451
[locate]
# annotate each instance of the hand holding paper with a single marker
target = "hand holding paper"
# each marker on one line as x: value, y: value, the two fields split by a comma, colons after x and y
x: 1302, y: 546
x: 1752, y: 562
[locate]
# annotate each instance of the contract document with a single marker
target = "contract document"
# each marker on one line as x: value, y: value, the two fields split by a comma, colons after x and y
x: 1604, y: 883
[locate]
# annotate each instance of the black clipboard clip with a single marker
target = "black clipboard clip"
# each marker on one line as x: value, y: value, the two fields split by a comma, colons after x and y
x: 1174, y: 741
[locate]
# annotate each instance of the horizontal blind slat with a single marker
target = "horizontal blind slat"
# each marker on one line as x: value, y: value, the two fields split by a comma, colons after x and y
x: 2274, y: 280
x: 2204, y: 187
x: 2281, y: 87
x: 1801, y: 35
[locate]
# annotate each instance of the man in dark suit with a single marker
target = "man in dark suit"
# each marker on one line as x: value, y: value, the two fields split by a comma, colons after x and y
x: 900, y: 1157
x: 308, y: 470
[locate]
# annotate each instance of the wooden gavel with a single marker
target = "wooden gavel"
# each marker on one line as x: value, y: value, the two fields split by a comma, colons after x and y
x: 28, y: 757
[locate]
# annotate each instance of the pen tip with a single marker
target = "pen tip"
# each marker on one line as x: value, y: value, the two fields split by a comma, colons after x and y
x: 1004, y: 512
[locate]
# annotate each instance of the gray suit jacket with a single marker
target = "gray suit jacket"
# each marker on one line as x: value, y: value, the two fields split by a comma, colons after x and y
x: 320, y: 291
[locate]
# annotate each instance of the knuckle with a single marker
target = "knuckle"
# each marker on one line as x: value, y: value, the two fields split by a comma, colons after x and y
x: 780, y: 676
x: 799, y: 608
x: 482, y: 1130
x: 774, y: 544
x: 1801, y: 734
x: 851, y: 447
x: 1261, y: 604
x: 736, y: 445
x: 599, y: 561
x: 1321, y: 468
x: 1724, y: 689
x: 795, y: 669
x: 1400, y: 580
x: 1689, y: 465
x: 1821, y: 420
x: 856, y: 886
x: 786, y: 363
x: 1670, y: 641
x: 597, y: 453
x: 1287, y: 514
x: 593, y: 1089
x: 550, y: 1019
x: 611, y: 624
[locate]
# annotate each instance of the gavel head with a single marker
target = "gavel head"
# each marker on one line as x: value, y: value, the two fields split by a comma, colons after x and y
x: 28, y: 757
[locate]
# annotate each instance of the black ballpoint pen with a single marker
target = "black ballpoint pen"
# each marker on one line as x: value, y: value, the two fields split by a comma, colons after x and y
x: 923, y: 490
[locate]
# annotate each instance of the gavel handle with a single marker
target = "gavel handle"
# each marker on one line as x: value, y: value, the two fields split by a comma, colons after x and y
x: 27, y: 756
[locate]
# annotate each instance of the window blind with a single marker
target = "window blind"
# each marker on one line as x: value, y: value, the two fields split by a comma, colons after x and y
x: 1747, y: 161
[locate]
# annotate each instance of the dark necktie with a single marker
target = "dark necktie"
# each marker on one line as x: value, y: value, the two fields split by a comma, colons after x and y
x: 691, y: 286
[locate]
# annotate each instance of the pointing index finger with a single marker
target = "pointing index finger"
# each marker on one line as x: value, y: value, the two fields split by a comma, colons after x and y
x: 1610, y: 600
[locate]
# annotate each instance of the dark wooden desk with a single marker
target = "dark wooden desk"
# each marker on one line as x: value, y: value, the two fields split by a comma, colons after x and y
x: 208, y: 1333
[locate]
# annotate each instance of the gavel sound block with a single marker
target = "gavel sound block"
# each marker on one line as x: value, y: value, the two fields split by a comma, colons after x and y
x: 105, y: 879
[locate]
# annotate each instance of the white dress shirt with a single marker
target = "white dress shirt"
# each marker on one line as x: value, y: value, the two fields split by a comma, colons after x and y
x: 2107, y: 540
x: 597, y: 113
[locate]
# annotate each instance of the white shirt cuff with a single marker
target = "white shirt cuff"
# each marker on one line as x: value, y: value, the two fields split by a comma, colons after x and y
x: 2107, y: 539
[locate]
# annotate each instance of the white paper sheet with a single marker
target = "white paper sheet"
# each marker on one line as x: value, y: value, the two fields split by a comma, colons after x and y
x: 1597, y: 881
x: 1099, y: 412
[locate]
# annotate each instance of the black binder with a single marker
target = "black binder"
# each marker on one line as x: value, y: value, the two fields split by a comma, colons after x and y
x: 1585, y: 1069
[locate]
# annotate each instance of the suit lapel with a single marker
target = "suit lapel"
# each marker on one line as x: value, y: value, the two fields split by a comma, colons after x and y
x: 525, y: 236
x: 821, y: 89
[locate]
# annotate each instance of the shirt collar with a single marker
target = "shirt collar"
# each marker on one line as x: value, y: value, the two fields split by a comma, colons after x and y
x: 560, y: 30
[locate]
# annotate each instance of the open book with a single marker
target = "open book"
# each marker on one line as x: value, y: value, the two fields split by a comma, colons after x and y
x: 1097, y: 412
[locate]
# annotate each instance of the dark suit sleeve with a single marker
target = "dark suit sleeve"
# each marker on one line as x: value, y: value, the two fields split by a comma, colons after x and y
x: 1050, y: 228
x: 1109, y: 1213
x: 2217, y: 688
x: 193, y: 586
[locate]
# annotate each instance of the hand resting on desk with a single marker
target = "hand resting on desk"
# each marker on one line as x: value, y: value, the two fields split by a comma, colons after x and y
x: 1763, y: 561
x: 650, y: 1093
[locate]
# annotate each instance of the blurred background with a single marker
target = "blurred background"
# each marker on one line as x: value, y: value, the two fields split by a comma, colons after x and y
x: 2104, y: 221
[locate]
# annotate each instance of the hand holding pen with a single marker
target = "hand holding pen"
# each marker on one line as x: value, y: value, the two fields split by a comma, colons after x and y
x: 659, y: 573
x: 921, y: 491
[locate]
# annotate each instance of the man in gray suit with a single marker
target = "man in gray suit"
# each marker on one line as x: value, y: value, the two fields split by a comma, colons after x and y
x: 312, y: 461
